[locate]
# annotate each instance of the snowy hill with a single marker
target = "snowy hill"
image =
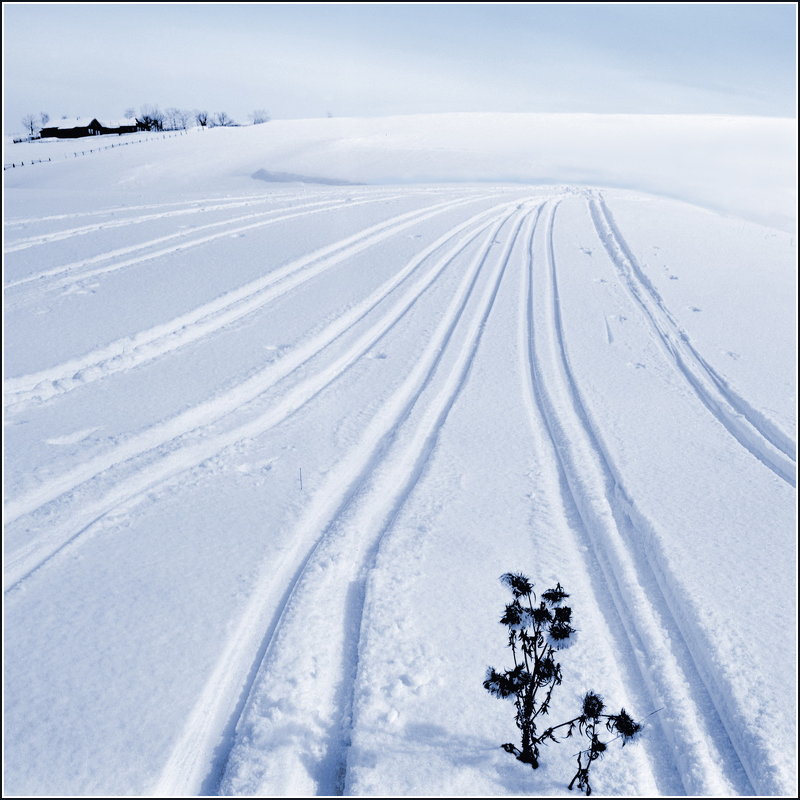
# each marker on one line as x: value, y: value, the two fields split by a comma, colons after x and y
x: 281, y: 404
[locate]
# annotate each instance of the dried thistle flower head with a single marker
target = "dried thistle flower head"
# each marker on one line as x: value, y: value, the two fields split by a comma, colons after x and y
x: 592, y: 705
x: 555, y: 596
x: 548, y: 671
x: 562, y: 614
x: 561, y: 636
x: 514, y: 616
x: 520, y: 585
x: 542, y: 614
x: 506, y: 684
x: 598, y: 747
x: 625, y: 726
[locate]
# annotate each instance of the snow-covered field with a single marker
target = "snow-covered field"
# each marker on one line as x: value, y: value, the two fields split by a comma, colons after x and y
x: 269, y: 445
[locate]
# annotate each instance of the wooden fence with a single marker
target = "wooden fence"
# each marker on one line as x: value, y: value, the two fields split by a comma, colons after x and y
x: 77, y: 153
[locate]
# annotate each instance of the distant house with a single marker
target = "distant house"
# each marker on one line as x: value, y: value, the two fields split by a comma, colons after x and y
x: 127, y: 125
x: 73, y: 128
x: 89, y: 126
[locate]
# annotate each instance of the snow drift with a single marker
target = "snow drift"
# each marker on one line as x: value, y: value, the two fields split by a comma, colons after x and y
x: 744, y: 166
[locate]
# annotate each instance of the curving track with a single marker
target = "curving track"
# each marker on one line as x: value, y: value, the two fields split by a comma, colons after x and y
x: 378, y: 394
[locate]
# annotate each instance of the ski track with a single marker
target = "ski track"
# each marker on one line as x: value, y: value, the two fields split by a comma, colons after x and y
x: 305, y: 209
x: 181, y: 456
x: 708, y: 764
x: 131, y: 351
x: 201, y: 206
x: 69, y: 233
x: 124, y: 209
x: 545, y: 425
x: 222, y: 201
x: 353, y: 510
x: 758, y: 435
x: 333, y: 549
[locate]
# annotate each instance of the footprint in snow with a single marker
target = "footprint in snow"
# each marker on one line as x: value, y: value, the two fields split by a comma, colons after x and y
x: 695, y: 308
x: 673, y: 277
x: 277, y: 349
x: 257, y: 467
x: 586, y: 250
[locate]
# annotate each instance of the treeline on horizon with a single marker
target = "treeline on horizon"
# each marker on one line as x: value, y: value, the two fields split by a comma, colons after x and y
x: 152, y: 118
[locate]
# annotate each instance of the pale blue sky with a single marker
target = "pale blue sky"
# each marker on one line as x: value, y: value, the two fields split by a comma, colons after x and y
x: 304, y: 60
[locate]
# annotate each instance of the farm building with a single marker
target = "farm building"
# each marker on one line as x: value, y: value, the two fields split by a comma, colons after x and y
x: 127, y: 125
x: 73, y: 128
x: 88, y: 126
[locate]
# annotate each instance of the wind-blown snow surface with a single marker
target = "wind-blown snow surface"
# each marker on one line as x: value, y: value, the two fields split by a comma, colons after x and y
x: 269, y: 447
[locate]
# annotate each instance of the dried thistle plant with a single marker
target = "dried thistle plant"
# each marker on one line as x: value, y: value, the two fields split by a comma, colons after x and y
x: 535, y: 633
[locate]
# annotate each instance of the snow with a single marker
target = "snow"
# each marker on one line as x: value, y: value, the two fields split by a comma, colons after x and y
x: 272, y: 441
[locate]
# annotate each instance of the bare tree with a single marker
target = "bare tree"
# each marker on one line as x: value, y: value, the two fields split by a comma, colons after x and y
x: 29, y: 122
x: 172, y: 119
x: 222, y: 119
x: 44, y: 118
x: 202, y: 118
x: 130, y: 112
x: 151, y: 118
x: 259, y: 116
x: 183, y: 117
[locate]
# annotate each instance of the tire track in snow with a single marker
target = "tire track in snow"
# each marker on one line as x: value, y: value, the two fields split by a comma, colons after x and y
x: 691, y: 721
x: 326, y: 572
x: 179, y: 456
x: 132, y: 351
x: 305, y: 209
x: 751, y: 429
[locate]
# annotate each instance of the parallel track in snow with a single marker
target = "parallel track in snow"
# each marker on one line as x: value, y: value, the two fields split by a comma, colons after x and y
x: 692, y: 719
x: 132, y: 351
x: 76, y: 271
x: 122, y: 222
x: 344, y: 524
x: 199, y: 205
x: 323, y: 571
x: 111, y: 212
x: 751, y: 429
x: 168, y: 450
